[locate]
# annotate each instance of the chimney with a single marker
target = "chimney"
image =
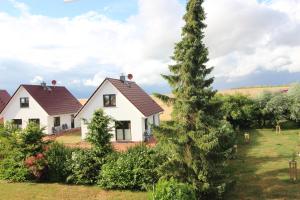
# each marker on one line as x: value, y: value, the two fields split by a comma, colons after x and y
x: 122, y: 78
x: 44, y: 85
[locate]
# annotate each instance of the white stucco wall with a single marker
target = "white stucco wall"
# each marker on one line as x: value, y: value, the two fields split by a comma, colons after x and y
x: 124, y: 111
x: 35, y: 111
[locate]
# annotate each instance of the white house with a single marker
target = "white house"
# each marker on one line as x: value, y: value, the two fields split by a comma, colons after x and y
x: 53, y: 107
x: 4, y: 98
x: 132, y: 109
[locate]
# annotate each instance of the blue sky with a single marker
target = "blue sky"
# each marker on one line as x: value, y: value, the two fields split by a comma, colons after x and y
x: 117, y: 9
x: 79, y: 43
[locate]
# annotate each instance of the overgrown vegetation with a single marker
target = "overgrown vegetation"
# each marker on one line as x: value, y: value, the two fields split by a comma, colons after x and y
x: 264, y: 111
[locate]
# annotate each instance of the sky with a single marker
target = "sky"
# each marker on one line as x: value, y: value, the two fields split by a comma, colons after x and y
x: 80, y: 42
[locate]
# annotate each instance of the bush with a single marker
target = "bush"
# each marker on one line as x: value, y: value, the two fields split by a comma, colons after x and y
x: 99, y: 134
x: 134, y: 169
x: 31, y: 140
x: 84, y: 167
x: 37, y: 166
x: 172, y: 190
x: 12, y: 168
x: 57, y: 156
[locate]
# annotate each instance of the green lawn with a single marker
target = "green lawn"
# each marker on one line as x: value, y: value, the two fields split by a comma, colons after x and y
x: 262, y: 168
x: 71, y: 138
x: 30, y: 191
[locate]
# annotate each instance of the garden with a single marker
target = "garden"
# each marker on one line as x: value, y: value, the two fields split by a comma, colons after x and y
x: 200, y: 154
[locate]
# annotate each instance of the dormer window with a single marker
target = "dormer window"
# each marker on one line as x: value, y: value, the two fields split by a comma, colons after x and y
x: 24, y: 102
x: 109, y: 100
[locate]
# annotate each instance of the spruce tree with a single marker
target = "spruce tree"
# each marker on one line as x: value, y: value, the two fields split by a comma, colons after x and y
x: 196, y: 141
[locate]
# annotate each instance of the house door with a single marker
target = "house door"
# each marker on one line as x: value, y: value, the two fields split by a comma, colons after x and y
x: 123, y: 131
x: 72, y: 121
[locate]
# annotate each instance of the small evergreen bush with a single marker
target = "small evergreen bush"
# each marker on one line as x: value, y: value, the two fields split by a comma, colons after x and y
x: 30, y: 140
x: 173, y: 190
x: 57, y: 157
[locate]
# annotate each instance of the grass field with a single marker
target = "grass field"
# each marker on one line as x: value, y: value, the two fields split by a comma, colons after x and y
x: 262, y: 167
x: 31, y: 191
x: 253, y: 91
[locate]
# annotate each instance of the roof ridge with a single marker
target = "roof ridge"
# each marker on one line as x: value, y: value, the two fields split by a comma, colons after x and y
x: 41, y: 86
x: 119, y: 80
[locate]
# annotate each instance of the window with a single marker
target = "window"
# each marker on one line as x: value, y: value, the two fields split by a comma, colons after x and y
x: 146, y: 124
x: 24, y: 102
x: 36, y: 121
x: 56, y: 121
x: 154, y: 122
x: 72, y: 121
x: 17, y: 123
x: 123, y: 130
x: 109, y: 100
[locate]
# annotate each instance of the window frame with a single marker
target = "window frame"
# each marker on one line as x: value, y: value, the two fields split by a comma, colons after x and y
x: 146, y: 125
x: 123, y: 139
x: 24, y: 104
x: 54, y: 122
x: 72, y: 121
x: 18, y: 125
x: 110, y: 98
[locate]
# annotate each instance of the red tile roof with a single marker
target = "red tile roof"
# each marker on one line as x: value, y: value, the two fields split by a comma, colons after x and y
x: 58, y: 100
x: 136, y: 95
x: 4, y: 98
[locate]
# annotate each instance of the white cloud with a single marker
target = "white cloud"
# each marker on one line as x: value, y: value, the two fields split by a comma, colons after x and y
x: 243, y: 37
x: 37, y: 80
x: 22, y: 7
x: 141, y: 45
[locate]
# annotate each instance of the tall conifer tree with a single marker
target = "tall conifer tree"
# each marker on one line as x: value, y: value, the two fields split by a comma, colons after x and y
x: 196, y: 141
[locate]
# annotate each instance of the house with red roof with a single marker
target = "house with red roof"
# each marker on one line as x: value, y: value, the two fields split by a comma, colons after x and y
x: 133, y: 110
x: 52, y: 107
x: 4, y: 98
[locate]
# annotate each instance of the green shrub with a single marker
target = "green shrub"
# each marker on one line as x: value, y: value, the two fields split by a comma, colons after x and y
x: 134, y: 169
x: 31, y: 140
x: 57, y: 156
x: 99, y: 134
x: 289, y: 125
x: 84, y: 167
x: 12, y: 168
x: 173, y: 190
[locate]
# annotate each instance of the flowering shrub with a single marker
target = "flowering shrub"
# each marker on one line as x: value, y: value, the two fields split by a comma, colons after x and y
x: 37, y: 165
